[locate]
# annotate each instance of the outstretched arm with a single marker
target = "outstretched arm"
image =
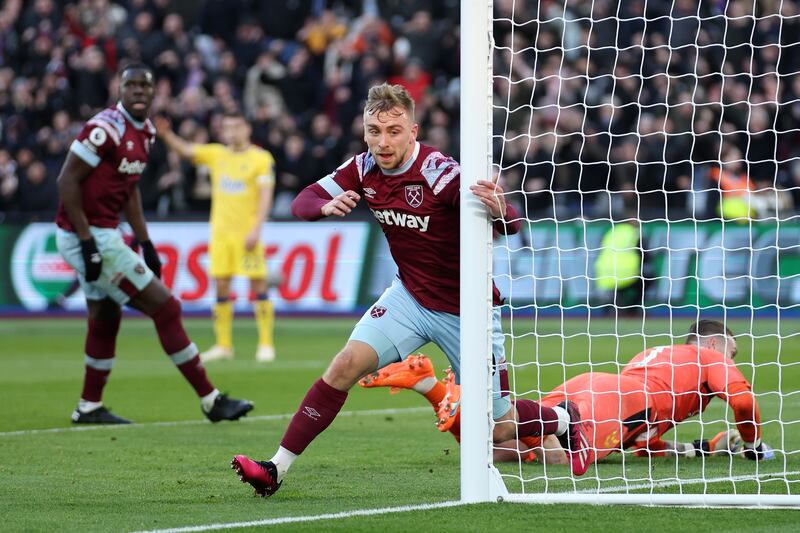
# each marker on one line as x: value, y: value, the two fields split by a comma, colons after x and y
x: 490, y: 193
x: 727, y: 382
x: 164, y: 131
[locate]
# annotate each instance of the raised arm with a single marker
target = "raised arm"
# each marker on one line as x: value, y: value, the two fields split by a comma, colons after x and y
x: 181, y: 146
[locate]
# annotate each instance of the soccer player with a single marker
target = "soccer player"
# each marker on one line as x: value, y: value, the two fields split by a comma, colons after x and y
x: 413, y: 192
x: 242, y: 189
x: 98, y: 182
x: 615, y: 412
x: 613, y: 409
x: 680, y: 381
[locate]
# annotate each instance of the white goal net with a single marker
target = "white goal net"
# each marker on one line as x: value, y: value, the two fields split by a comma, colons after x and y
x: 652, y: 149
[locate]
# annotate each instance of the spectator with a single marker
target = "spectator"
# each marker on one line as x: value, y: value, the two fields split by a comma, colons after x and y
x: 262, y: 93
x: 8, y: 181
x: 37, y: 194
x: 594, y: 103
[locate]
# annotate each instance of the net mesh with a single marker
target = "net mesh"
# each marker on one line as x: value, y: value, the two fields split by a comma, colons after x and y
x: 676, y: 122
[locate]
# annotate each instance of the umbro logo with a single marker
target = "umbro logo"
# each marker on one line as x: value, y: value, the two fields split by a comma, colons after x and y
x: 311, y: 413
x: 129, y: 145
x: 369, y: 192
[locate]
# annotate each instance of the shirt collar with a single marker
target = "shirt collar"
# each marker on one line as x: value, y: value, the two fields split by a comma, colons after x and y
x: 406, y: 165
x: 138, y: 124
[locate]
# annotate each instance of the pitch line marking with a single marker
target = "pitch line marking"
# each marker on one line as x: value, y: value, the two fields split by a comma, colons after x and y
x: 425, y: 507
x: 285, y: 416
x: 691, y: 481
x: 310, y: 518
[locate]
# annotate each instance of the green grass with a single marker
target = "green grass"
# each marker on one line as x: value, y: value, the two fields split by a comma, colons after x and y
x: 152, y: 475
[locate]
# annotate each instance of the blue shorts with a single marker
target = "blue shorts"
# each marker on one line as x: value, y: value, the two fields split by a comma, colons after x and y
x: 397, y: 326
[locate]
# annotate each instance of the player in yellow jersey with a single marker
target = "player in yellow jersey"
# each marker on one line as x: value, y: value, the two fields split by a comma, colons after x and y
x: 242, y: 185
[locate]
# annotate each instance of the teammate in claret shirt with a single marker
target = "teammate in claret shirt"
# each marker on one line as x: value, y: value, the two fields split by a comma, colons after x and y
x: 98, y: 182
x: 413, y: 192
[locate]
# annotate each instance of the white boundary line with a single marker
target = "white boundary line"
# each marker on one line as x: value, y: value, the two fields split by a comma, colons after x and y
x: 425, y: 507
x: 366, y: 412
x: 311, y: 518
x: 690, y: 481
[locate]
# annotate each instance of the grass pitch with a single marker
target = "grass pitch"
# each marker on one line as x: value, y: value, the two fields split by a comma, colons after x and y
x: 170, y: 470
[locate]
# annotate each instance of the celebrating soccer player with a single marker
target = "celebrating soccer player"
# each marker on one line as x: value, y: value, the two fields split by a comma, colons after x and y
x: 242, y: 188
x: 413, y: 192
x: 98, y: 182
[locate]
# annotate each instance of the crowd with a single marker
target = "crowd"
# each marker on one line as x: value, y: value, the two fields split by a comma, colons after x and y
x: 624, y: 108
x: 299, y: 69
x: 601, y: 108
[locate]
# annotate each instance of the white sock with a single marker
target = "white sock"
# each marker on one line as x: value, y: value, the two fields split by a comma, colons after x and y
x: 283, y: 459
x: 424, y: 385
x: 85, y: 406
x: 207, y: 401
x: 563, y: 420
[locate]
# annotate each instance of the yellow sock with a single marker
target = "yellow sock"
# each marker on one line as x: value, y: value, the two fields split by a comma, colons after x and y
x: 223, y: 323
x: 265, y: 317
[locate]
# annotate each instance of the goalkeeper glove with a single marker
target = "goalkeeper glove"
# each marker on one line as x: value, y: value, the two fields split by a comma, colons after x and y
x: 758, y: 451
x: 726, y: 443
x: 92, y: 260
x: 151, y: 258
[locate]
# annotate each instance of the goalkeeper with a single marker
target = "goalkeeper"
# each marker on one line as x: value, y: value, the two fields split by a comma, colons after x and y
x: 655, y: 391
x: 682, y: 379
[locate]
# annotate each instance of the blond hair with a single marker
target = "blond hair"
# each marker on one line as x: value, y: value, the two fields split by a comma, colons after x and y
x: 385, y: 97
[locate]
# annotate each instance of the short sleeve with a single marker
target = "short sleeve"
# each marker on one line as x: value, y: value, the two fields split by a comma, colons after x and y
x: 443, y: 175
x: 206, y: 154
x: 449, y: 186
x: 346, y: 177
x: 96, y: 141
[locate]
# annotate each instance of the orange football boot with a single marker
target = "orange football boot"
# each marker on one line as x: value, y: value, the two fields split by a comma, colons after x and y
x: 401, y: 375
x: 450, y: 404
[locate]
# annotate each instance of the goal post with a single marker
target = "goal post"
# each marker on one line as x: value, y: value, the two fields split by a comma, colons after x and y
x: 581, y: 132
x: 479, y: 479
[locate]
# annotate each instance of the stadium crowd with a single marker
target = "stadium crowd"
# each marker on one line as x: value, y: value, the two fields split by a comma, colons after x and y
x: 631, y: 105
x: 300, y: 71
x: 647, y: 123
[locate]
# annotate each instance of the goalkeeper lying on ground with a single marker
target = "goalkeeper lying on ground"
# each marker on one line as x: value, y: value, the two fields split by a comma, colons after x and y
x: 655, y: 391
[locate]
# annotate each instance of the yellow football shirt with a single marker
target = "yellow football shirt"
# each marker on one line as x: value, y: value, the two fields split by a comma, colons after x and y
x: 236, y: 179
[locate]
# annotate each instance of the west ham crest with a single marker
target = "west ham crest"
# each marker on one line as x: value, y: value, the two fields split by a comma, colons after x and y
x: 414, y: 195
x: 377, y: 311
